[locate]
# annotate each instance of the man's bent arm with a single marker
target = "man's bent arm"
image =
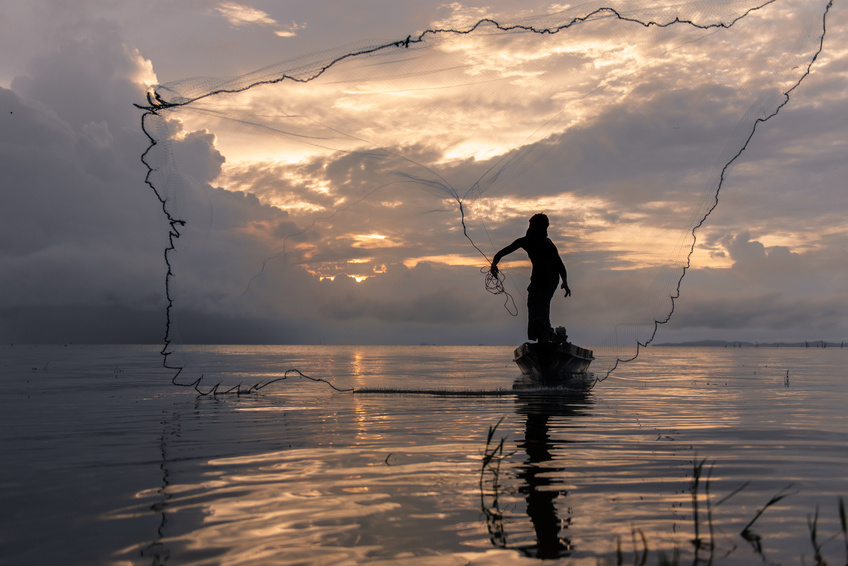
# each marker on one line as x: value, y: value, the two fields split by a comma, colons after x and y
x: 564, y: 275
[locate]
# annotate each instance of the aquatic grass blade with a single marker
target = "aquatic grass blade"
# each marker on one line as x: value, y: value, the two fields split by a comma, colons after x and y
x: 844, y: 527
x: 813, y: 526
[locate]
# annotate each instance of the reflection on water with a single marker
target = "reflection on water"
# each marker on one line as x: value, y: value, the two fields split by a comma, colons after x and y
x: 119, y: 467
x: 156, y: 550
x: 539, y: 470
x: 538, y: 476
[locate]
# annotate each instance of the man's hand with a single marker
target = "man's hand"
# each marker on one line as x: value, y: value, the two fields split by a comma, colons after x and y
x: 567, y: 290
x: 494, y: 269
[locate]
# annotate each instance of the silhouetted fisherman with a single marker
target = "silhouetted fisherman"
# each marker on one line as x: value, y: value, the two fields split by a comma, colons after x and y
x: 547, y: 271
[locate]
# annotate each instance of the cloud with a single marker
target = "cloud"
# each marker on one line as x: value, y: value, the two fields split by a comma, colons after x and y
x: 290, y: 30
x: 769, y: 288
x: 242, y: 15
x: 361, y: 153
x: 93, y: 79
x: 81, y: 233
x: 78, y: 227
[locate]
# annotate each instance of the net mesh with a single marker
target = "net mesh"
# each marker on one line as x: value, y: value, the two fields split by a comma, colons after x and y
x: 354, y: 195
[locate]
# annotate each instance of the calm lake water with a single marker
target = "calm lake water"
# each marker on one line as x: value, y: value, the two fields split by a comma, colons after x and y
x: 105, y: 462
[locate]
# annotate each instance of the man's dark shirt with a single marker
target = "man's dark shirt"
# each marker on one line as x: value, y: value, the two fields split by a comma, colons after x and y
x: 547, y: 265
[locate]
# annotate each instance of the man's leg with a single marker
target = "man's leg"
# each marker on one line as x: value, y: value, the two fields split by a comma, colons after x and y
x: 539, y: 312
x: 532, y: 314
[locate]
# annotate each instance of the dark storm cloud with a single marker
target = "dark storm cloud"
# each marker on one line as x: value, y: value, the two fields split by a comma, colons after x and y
x: 803, y: 317
x: 768, y: 288
x: 789, y: 179
x: 88, y: 80
x: 78, y: 226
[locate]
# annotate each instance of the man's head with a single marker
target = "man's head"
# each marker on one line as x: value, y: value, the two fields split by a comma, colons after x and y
x: 538, y: 226
x: 539, y: 221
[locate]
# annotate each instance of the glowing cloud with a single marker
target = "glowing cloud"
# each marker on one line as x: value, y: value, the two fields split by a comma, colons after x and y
x: 241, y: 15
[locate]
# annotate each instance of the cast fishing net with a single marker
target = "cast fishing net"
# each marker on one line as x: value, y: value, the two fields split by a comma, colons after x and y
x: 355, y: 195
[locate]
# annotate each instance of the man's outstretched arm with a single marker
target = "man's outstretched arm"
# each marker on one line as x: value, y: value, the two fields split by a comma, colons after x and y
x: 506, y: 251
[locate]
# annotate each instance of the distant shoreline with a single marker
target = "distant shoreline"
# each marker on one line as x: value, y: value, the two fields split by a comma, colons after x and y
x: 743, y: 344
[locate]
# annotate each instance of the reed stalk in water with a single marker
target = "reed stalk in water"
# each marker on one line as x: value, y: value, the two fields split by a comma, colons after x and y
x: 813, y: 526
x: 753, y: 538
x: 844, y: 527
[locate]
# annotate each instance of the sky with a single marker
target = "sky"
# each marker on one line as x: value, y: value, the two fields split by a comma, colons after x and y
x: 330, y: 214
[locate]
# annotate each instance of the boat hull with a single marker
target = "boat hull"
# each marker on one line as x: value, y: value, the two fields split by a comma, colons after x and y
x: 561, y: 365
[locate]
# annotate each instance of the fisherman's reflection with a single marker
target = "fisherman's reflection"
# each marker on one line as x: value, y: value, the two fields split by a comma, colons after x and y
x: 541, y: 475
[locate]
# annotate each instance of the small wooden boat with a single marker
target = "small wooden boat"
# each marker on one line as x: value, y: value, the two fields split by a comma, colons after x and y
x: 558, y: 364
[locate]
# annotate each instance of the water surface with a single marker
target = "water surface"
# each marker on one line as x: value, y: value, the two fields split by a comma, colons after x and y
x: 106, y: 462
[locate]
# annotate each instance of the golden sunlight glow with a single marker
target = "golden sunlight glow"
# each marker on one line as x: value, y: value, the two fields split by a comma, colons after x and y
x: 477, y: 150
x: 373, y: 241
x: 320, y: 187
x: 357, y: 278
x: 799, y: 242
x: 499, y: 210
x: 291, y: 203
x: 358, y: 108
x: 448, y: 259
x: 704, y: 258
x: 346, y: 268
